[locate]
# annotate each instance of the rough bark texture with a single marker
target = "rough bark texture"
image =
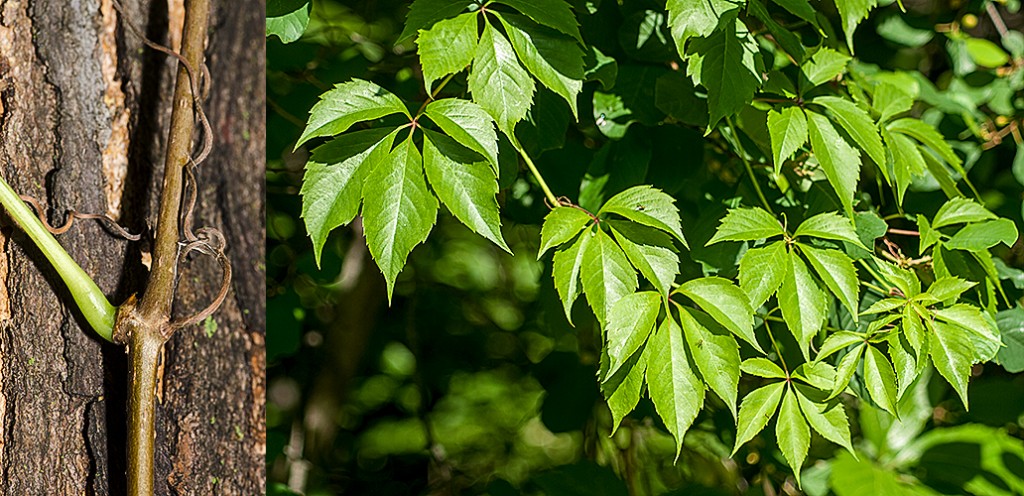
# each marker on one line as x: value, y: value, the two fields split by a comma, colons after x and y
x: 83, y: 113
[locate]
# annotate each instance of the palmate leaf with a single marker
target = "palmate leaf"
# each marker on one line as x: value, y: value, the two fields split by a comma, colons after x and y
x: 757, y: 409
x: 675, y: 389
x: 829, y: 225
x: 622, y: 389
x: 747, y: 224
x: 952, y: 354
x: 726, y: 303
x: 836, y: 270
x: 630, y: 322
x: 650, y: 251
x: 555, y: 14
x: 858, y: 125
x: 498, y: 83
x: 760, y: 273
x: 332, y: 186
x: 984, y: 235
x: 695, y: 19
x: 729, y: 65
x: 606, y: 274
x: 825, y: 65
x: 287, y: 19
x: 793, y: 433
x: 803, y: 303
x: 346, y: 104
x: 398, y: 209
x: 465, y: 184
x: 560, y: 226
x: 788, y: 132
x: 907, y: 161
x: 565, y: 270
x: 554, y: 59
x: 959, y: 211
x: 852, y: 12
x: 715, y: 352
x: 880, y: 379
x: 648, y: 206
x: 762, y: 367
x: 826, y: 417
x: 467, y: 123
x: 838, y: 160
x: 447, y: 47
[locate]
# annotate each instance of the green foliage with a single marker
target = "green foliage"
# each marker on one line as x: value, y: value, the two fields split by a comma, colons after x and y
x: 728, y: 187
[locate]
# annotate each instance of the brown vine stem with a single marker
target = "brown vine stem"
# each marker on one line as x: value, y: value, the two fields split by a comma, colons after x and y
x: 145, y: 325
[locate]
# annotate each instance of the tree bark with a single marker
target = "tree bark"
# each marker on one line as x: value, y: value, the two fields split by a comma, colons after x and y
x: 83, y: 115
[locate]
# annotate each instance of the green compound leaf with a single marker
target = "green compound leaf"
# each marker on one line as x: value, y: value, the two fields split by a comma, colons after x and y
x: 907, y: 161
x: 716, y: 353
x: 622, y: 389
x: 555, y: 60
x: 690, y: 19
x: 630, y: 322
x: 959, y: 211
x: 747, y: 224
x: 398, y: 209
x: 984, y: 235
x: 560, y: 226
x: 952, y: 354
x: 332, y: 186
x: 762, y: 367
x: 565, y: 269
x: 757, y: 409
x: 467, y: 123
x: 801, y: 9
x: 792, y: 433
x: 675, y: 389
x: 826, y: 417
x: 803, y: 303
x: 880, y: 379
x: 447, y: 47
x: 837, y: 341
x: 949, y: 288
x: 425, y: 13
x: 825, y: 65
x: 498, y: 83
x: 648, y: 206
x: 858, y: 125
x: 724, y: 302
x: 788, y: 132
x: 287, y: 19
x: 830, y: 225
x: 845, y: 370
x: 729, y: 65
x: 555, y: 14
x: 465, y: 184
x: 761, y: 274
x: 852, y: 12
x: 650, y: 251
x: 930, y: 137
x: 981, y: 328
x: 606, y: 274
x: 836, y: 270
x: 346, y: 104
x: 839, y: 160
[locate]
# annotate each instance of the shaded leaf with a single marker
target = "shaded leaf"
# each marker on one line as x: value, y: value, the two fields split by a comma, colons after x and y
x: 467, y: 123
x: 606, y: 274
x: 555, y: 60
x: 650, y: 251
x: 630, y: 321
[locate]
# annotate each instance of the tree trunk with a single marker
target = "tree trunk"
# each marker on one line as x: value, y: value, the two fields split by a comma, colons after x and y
x: 83, y: 114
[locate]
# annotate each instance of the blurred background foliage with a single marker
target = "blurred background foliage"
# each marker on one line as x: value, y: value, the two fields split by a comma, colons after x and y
x: 472, y: 382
